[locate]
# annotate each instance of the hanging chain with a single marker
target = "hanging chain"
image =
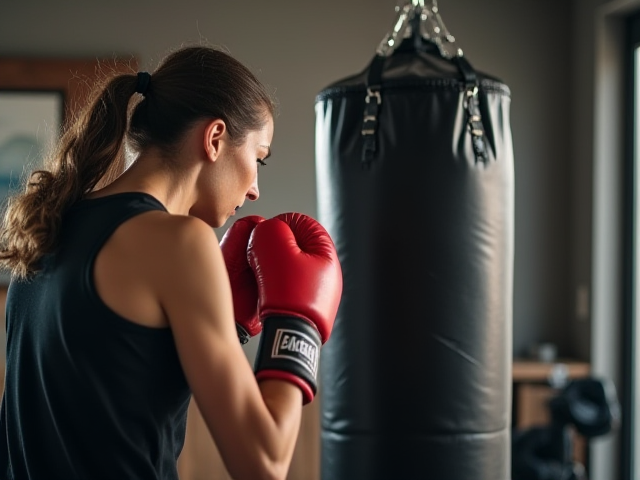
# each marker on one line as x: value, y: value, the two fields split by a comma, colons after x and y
x: 400, y: 29
x: 432, y: 28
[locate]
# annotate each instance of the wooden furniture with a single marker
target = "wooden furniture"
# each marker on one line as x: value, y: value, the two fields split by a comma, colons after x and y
x: 532, y: 391
x: 3, y: 300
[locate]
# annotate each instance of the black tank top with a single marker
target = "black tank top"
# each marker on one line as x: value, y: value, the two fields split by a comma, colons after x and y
x: 88, y: 395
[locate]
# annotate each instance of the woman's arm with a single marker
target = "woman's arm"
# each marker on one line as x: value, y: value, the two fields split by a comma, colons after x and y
x: 255, y: 427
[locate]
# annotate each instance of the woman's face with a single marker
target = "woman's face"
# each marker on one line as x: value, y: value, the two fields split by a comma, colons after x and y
x: 234, y: 176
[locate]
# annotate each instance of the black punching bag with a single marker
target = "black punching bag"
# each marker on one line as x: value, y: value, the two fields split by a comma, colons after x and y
x: 415, y: 182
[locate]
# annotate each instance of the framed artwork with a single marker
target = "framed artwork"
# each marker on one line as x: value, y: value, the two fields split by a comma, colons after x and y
x: 37, y: 95
x: 30, y: 122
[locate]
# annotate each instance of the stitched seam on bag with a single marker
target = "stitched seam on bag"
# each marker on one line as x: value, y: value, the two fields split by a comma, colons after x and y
x: 431, y: 84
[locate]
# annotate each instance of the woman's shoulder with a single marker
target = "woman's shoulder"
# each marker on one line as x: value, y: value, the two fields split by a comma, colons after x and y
x: 156, y: 257
x: 162, y: 249
x: 174, y: 232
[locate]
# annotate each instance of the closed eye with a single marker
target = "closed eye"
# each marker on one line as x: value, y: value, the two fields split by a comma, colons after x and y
x: 262, y: 162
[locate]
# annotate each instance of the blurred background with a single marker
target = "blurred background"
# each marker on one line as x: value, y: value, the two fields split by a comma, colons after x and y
x: 564, y: 62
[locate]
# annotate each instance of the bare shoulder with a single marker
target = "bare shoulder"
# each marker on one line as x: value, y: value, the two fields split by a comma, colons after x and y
x: 159, y: 248
x: 154, y: 260
x: 184, y: 263
x: 172, y: 240
x: 174, y: 230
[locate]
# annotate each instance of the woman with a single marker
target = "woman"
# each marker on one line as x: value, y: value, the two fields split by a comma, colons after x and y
x: 121, y: 305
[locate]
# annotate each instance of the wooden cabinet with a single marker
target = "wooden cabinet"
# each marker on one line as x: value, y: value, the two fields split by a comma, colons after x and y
x: 532, y: 391
x: 3, y: 301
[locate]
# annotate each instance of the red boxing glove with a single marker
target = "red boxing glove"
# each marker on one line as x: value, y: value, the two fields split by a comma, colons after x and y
x: 299, y: 288
x: 243, y: 283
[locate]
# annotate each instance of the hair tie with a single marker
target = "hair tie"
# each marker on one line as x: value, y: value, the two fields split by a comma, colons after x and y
x: 143, y: 83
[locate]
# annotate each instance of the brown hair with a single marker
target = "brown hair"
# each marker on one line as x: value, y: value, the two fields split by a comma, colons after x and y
x: 190, y: 84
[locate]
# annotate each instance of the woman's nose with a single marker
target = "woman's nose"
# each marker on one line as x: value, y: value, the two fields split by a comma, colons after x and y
x: 253, y: 192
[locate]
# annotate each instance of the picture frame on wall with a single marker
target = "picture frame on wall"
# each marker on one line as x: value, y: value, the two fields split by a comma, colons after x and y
x: 37, y: 97
x: 30, y: 123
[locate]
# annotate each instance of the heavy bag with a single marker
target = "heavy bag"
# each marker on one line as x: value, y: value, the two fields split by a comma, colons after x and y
x: 415, y: 183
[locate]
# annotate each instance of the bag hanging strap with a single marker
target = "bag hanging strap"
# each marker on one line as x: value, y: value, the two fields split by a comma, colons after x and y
x: 472, y: 106
x: 373, y: 102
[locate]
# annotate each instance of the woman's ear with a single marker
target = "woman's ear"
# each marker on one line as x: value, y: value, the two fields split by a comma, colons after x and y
x: 214, y: 136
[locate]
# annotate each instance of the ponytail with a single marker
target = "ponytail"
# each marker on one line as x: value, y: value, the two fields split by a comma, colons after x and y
x: 190, y: 84
x: 89, y: 155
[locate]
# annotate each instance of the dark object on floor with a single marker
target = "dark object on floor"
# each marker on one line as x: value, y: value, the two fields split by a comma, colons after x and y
x: 590, y: 406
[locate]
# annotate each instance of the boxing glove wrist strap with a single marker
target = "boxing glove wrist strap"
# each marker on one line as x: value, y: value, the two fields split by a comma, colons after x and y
x: 289, y: 350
